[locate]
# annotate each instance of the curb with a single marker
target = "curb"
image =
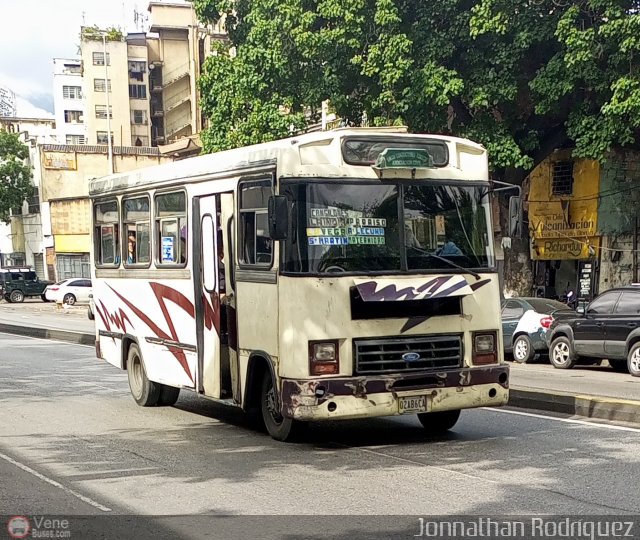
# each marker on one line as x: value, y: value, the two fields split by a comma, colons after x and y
x: 49, y: 333
x: 600, y: 407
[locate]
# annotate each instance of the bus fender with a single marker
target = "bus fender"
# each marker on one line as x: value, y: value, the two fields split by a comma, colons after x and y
x: 251, y: 397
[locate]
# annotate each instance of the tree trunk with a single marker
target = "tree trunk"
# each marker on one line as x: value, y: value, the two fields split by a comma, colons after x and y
x: 518, y: 277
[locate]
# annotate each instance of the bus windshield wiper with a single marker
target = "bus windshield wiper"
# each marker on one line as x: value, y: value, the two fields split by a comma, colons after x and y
x: 445, y: 260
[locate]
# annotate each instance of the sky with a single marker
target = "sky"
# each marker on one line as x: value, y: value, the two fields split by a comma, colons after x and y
x: 36, y: 31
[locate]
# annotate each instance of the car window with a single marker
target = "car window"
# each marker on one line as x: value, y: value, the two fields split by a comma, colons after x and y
x: 629, y: 303
x: 86, y: 283
x: 75, y: 283
x: 603, y: 305
x: 512, y: 310
x: 30, y: 276
x: 543, y: 305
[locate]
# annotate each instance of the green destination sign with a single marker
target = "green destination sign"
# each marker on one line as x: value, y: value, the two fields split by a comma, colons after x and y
x: 404, y: 158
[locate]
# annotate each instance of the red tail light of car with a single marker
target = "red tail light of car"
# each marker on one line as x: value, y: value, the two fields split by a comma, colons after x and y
x: 545, y: 322
x: 54, y: 288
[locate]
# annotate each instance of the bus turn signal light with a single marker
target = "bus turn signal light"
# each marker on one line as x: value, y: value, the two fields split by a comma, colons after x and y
x: 324, y: 357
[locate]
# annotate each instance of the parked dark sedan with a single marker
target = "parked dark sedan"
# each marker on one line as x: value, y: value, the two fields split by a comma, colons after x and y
x: 608, y: 329
x: 525, y: 322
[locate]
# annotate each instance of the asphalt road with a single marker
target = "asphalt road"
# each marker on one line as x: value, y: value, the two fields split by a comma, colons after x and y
x: 73, y: 442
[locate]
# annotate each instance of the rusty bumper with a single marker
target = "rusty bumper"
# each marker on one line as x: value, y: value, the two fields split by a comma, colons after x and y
x: 369, y: 396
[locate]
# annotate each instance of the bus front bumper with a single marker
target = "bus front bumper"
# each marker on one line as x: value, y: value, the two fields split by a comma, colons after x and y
x: 393, y: 394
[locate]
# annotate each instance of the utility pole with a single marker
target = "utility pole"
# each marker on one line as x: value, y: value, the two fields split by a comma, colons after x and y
x: 106, y: 84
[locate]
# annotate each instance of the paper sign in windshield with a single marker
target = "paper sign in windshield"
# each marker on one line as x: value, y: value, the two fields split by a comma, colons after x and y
x: 334, y: 227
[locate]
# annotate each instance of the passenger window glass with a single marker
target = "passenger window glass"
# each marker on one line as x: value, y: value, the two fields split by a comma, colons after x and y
x: 106, y: 238
x: 629, y: 304
x: 255, y: 245
x: 136, y: 219
x: 171, y: 229
x: 604, y: 304
x: 512, y: 310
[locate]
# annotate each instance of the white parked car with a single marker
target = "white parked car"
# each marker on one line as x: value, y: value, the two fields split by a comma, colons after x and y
x: 69, y: 291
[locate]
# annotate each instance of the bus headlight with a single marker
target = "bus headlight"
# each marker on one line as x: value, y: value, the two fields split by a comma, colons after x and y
x: 324, y: 357
x: 484, y: 348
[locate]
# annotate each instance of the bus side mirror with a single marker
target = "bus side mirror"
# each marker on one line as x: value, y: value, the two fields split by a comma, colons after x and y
x: 515, y: 217
x: 278, y: 217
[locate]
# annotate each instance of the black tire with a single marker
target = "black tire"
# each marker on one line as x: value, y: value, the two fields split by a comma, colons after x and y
x: 44, y: 298
x: 144, y: 392
x: 437, y: 423
x: 168, y: 395
x: 619, y: 366
x: 91, y: 316
x: 523, y: 350
x: 69, y: 299
x: 561, y: 354
x: 280, y: 428
x: 7, y: 298
x: 17, y: 297
x: 633, y: 360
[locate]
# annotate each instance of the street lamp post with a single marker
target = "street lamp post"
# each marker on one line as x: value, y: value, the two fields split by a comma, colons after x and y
x: 106, y: 89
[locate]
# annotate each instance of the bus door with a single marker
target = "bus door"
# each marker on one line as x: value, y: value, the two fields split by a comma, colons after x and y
x: 232, y: 381
x: 206, y: 280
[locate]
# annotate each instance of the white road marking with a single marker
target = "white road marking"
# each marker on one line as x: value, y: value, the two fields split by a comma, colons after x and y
x: 567, y: 420
x: 55, y: 484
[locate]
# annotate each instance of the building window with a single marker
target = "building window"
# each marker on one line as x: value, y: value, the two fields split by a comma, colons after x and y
x: 75, y: 139
x: 34, y: 201
x: 99, y: 85
x: 72, y: 92
x: 139, y: 140
x: 137, y: 69
x: 98, y: 59
x: 101, y: 112
x: 137, y: 91
x: 73, y: 117
x: 171, y: 229
x: 136, y: 224
x: 106, y: 238
x: 139, y: 117
x: 102, y: 138
x: 562, y: 183
x: 256, y: 248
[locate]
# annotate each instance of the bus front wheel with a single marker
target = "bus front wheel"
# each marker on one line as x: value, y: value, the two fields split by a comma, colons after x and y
x: 279, y: 427
x: 437, y: 423
x: 145, y: 392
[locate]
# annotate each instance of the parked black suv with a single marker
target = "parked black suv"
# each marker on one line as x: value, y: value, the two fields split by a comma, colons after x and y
x: 609, y: 328
x: 18, y: 283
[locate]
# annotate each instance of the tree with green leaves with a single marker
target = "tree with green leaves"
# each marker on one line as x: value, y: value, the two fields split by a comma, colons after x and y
x: 15, y: 175
x: 522, y: 77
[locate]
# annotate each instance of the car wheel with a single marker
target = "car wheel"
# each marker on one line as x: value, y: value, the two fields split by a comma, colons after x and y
x: 561, y: 353
x: 633, y: 360
x: 619, y: 365
x: 279, y: 427
x: 90, y: 314
x: 437, y: 423
x: 7, y: 298
x: 44, y: 298
x: 69, y: 299
x: 17, y: 296
x: 523, y: 349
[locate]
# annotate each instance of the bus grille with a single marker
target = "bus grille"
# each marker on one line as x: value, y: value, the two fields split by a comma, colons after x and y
x: 421, y: 353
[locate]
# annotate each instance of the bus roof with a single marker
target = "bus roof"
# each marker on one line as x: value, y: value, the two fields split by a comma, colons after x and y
x: 309, y: 154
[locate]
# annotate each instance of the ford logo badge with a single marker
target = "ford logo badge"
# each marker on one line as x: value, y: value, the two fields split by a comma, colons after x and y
x: 411, y: 357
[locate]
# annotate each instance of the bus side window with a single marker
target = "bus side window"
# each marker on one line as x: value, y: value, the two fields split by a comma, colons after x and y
x: 136, y: 217
x: 256, y: 248
x: 106, y: 235
x: 171, y: 229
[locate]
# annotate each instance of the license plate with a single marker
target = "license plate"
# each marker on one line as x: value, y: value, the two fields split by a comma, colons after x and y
x: 412, y: 404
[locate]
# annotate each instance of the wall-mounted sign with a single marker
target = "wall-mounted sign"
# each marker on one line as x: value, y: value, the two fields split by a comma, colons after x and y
x: 65, y: 161
x: 554, y: 249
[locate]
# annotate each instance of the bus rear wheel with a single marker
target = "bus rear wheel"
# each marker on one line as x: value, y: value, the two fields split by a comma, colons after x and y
x: 145, y: 392
x: 437, y: 423
x: 168, y: 395
x: 279, y: 427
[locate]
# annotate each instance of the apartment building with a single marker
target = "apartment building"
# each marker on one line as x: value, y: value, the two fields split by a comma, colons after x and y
x: 68, y: 100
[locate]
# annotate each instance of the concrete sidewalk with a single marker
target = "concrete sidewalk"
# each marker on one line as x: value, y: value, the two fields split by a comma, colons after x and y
x: 585, y: 391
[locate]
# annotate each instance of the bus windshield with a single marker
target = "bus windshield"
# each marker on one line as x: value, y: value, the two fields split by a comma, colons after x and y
x: 391, y: 227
